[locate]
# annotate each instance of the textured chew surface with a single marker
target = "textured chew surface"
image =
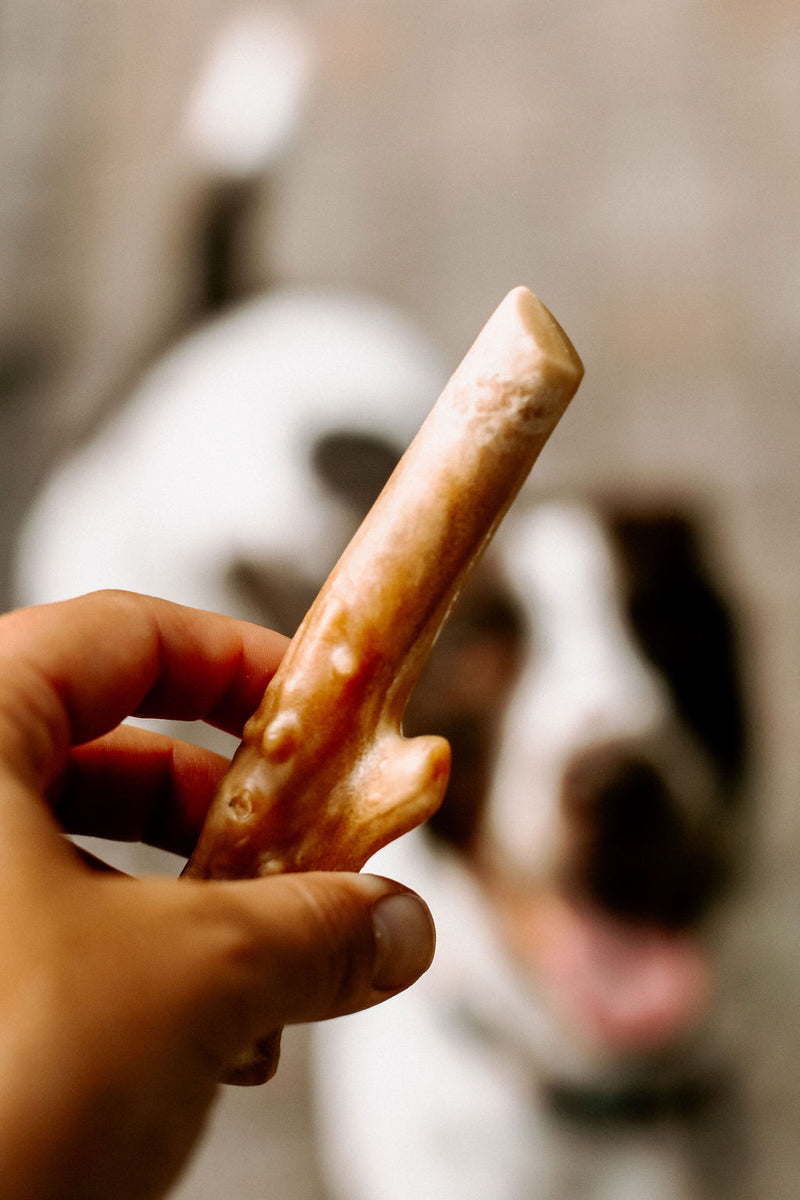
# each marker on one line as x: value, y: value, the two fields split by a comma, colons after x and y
x: 323, y: 777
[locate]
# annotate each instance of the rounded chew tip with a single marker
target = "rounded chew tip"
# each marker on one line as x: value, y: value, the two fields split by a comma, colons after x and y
x: 558, y: 357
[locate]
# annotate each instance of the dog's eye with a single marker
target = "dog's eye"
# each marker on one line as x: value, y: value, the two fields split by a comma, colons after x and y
x: 277, y: 596
x: 495, y: 615
x: 354, y: 465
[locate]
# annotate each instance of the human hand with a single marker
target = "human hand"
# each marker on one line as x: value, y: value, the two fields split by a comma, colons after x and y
x: 123, y: 1001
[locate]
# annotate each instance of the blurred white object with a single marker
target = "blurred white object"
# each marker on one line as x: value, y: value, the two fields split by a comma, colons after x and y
x: 208, y: 463
x: 249, y: 98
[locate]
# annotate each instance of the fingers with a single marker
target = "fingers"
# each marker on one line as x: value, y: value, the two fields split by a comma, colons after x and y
x: 317, y: 945
x: 134, y: 785
x: 70, y: 672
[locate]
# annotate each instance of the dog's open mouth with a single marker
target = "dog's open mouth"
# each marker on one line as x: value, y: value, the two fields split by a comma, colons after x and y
x: 632, y: 987
x: 616, y: 985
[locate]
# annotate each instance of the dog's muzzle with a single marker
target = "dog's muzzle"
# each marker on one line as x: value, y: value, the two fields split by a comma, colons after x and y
x: 632, y: 848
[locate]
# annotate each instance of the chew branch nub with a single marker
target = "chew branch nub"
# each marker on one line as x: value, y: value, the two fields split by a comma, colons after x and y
x: 323, y: 777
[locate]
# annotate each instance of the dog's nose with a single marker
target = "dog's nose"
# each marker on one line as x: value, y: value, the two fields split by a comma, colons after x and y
x: 629, y: 848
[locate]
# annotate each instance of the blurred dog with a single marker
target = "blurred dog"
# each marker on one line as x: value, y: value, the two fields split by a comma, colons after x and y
x: 588, y: 683
x: 590, y: 686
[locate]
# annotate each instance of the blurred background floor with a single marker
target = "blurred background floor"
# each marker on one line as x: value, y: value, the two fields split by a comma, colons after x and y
x: 637, y: 165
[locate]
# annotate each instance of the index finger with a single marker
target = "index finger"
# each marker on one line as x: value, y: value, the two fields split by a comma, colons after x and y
x: 71, y: 671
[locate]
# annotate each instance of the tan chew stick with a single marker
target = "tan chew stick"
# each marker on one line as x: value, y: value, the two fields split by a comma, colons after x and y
x: 324, y: 777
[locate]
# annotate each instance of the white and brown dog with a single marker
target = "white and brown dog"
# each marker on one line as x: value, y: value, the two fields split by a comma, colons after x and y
x: 590, y: 687
x: 587, y: 682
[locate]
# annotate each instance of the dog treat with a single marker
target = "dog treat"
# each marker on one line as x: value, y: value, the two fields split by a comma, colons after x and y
x: 324, y: 777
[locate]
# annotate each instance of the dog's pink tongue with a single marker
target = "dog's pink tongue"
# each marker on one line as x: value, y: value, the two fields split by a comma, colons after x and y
x: 627, y: 987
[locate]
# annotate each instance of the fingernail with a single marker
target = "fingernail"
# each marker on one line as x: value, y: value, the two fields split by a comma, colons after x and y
x: 405, y: 938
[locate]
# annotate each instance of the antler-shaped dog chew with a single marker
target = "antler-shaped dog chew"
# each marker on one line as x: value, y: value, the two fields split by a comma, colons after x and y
x: 323, y: 777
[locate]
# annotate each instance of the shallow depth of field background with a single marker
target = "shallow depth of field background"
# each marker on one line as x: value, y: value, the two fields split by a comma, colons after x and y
x: 636, y: 163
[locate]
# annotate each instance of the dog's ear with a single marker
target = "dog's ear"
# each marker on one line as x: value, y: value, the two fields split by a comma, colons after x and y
x: 276, y: 594
x: 684, y: 621
x: 354, y: 465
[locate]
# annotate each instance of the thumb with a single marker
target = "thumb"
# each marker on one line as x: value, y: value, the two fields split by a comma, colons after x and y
x: 316, y: 945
